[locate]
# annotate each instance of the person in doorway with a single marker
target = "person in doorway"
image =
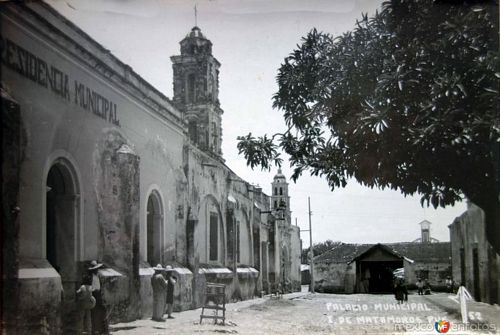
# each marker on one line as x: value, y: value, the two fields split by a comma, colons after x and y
x: 171, y: 279
x: 85, y: 303
x: 449, y: 284
x: 365, y: 282
x: 159, y: 285
x: 420, y: 286
x: 400, y: 291
x: 98, y: 313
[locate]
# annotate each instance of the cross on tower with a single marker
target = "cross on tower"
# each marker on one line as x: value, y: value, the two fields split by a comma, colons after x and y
x: 195, y: 16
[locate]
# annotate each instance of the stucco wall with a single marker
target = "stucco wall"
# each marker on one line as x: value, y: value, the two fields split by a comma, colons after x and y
x: 295, y: 253
x: 121, y: 142
x: 330, y: 277
x: 467, y: 233
x: 58, y: 126
x: 434, y: 272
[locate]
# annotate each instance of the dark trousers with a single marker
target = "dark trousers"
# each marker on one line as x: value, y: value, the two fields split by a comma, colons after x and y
x: 99, y: 315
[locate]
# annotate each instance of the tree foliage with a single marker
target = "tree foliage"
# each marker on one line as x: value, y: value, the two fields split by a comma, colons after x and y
x: 408, y: 100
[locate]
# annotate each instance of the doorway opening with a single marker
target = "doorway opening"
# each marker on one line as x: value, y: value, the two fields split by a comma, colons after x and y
x: 62, y: 216
x: 154, y: 229
x: 62, y: 225
x: 375, y: 269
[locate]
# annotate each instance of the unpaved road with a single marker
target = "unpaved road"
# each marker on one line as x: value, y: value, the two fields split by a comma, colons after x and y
x: 315, y: 314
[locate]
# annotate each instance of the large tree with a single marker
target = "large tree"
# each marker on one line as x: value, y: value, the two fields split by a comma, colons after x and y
x: 408, y: 100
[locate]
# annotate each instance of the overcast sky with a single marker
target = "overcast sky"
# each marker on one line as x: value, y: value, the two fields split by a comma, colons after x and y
x: 250, y: 39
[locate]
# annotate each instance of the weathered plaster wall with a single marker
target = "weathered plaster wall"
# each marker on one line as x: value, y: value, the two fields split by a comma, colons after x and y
x: 436, y: 274
x: 108, y: 223
x: 467, y: 233
x: 116, y: 162
x: 330, y: 277
x: 12, y: 153
x: 295, y: 254
x: 40, y: 300
x: 214, y: 188
x: 117, y: 191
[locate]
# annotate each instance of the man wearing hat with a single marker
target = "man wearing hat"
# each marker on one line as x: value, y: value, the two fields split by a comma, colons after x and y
x: 170, y: 290
x: 159, y: 285
x: 99, y: 314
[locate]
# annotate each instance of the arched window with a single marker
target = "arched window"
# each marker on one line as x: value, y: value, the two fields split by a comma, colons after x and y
x: 275, y: 191
x: 238, y: 242
x: 244, y: 240
x: 214, y: 236
x: 191, y: 88
x: 154, y: 229
x: 209, y: 234
x: 281, y: 191
x: 193, y: 131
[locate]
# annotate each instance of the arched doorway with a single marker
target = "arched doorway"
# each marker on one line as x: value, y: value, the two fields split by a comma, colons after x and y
x: 62, y: 219
x: 62, y: 226
x: 154, y: 229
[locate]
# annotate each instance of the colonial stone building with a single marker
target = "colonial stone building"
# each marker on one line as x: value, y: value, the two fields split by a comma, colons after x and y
x: 368, y: 268
x: 475, y: 264
x: 98, y: 164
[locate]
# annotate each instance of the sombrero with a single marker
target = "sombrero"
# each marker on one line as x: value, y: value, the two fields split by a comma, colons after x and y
x: 158, y: 268
x: 94, y: 265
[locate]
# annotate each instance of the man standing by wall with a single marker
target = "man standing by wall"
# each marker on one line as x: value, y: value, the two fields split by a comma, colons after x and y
x: 170, y: 290
x: 159, y: 285
x: 99, y: 314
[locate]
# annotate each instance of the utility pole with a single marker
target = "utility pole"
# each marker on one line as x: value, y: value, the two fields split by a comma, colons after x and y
x: 311, y: 253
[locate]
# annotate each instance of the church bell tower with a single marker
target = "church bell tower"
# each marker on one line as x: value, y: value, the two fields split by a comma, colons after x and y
x: 280, y: 200
x: 196, y: 91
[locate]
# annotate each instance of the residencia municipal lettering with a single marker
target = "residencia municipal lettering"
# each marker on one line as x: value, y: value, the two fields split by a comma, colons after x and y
x: 37, y: 70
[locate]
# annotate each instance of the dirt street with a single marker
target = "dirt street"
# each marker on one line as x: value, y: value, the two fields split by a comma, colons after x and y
x: 304, y: 313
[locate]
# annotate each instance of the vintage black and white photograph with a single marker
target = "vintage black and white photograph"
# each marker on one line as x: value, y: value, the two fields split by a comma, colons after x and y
x: 250, y: 167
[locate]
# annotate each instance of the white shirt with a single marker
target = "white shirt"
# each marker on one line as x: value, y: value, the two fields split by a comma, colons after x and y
x: 96, y: 284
